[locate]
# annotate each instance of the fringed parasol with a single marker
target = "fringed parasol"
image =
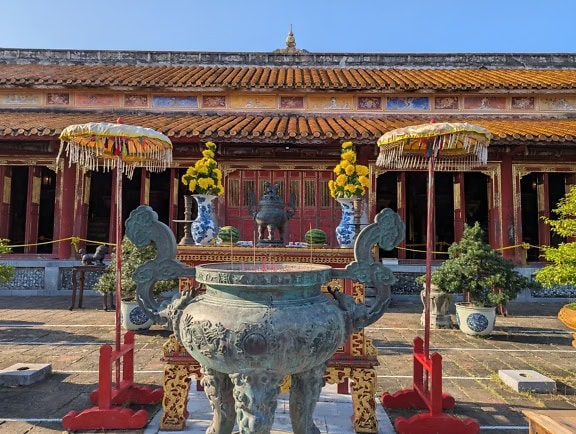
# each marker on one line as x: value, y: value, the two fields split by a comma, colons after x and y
x: 462, y: 146
x: 107, y: 146
x: 98, y: 145
x: 444, y: 146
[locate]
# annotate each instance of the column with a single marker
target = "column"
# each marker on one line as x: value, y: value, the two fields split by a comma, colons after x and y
x: 543, y: 209
x: 459, y: 205
x: 5, y: 190
x: 401, y: 211
x: 506, y: 227
x: 64, y: 208
x: 32, y: 209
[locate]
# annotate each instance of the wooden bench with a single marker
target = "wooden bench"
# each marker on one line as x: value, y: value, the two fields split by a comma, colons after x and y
x: 551, y: 421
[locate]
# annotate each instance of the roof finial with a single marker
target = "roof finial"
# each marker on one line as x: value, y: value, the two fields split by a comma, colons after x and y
x: 290, y: 41
x: 290, y: 45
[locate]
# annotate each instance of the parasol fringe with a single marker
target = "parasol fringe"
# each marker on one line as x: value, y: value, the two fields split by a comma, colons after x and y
x: 93, y: 158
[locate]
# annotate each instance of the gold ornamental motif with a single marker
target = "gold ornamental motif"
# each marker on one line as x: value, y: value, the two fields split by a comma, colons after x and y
x: 363, y: 384
x: 178, y: 368
x: 363, y: 402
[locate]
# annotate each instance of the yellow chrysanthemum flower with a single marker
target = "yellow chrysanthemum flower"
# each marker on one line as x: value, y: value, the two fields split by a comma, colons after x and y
x: 361, y: 170
x: 341, y: 180
x: 351, y: 178
x: 204, y: 177
x: 349, y: 156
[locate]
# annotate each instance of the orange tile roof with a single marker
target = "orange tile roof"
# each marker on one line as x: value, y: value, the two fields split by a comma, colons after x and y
x: 283, y: 77
x: 279, y: 128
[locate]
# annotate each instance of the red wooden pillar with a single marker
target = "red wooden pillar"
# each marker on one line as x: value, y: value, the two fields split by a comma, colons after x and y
x: 32, y: 209
x: 64, y: 208
x: 459, y: 205
x: 85, y: 204
x: 173, y: 204
x: 505, y: 231
x: 5, y: 190
x: 401, y: 209
x: 113, y: 208
x: 144, y: 187
x: 543, y: 209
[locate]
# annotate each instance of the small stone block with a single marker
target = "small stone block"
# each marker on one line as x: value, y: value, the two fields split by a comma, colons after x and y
x: 24, y: 374
x: 527, y: 380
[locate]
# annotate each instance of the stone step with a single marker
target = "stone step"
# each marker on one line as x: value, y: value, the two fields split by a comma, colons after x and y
x: 527, y: 380
x: 24, y: 374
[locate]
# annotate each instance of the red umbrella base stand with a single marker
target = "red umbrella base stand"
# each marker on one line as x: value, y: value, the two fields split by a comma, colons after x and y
x: 427, y: 393
x: 108, y: 395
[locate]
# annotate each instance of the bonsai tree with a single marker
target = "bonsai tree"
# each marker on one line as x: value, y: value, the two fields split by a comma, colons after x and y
x: 132, y: 258
x: 6, y: 271
x: 478, y: 271
x: 562, y: 268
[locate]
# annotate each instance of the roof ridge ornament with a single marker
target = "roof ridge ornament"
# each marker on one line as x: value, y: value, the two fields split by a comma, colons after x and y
x: 290, y: 45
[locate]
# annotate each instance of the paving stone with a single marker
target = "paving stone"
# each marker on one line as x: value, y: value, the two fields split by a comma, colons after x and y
x: 24, y: 374
x: 527, y: 380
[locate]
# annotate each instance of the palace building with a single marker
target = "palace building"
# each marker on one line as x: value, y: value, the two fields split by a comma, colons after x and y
x: 281, y: 117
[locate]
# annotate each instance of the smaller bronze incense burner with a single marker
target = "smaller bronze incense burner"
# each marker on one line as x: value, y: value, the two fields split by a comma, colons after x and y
x: 271, y: 215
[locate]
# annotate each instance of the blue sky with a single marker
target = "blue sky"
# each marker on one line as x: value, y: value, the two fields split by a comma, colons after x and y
x: 378, y: 26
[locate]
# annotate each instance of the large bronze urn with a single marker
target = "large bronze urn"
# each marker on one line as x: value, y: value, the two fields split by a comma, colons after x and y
x: 258, y: 323
x: 271, y: 215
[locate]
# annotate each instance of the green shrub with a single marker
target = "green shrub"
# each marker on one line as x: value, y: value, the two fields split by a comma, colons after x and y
x: 132, y: 258
x: 473, y: 267
x: 7, y: 272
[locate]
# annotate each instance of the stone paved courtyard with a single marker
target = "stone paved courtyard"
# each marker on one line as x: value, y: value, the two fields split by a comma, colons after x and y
x: 44, y: 330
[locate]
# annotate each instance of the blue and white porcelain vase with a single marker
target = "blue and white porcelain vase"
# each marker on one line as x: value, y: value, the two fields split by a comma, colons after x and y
x: 204, y: 229
x: 346, y: 231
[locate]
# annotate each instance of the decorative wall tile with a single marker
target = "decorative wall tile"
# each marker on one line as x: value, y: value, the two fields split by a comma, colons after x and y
x: 369, y: 103
x: 485, y: 103
x: 58, y: 98
x: 446, y: 103
x: 253, y: 101
x: 213, y: 101
x: 291, y: 102
x: 135, y: 100
x: 523, y: 103
x: 174, y: 101
x: 97, y: 99
x: 407, y: 103
x: 558, y: 103
x: 26, y: 278
x: 330, y: 102
x: 20, y: 99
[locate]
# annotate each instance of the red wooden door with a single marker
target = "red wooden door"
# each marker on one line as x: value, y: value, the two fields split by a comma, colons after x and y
x: 314, y: 206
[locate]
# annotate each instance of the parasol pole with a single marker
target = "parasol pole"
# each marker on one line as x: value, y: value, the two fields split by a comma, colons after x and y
x: 119, y: 176
x: 429, y: 249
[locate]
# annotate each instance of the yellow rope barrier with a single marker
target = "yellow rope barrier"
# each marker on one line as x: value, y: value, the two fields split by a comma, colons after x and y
x: 524, y: 246
x: 76, y: 240
x: 73, y: 240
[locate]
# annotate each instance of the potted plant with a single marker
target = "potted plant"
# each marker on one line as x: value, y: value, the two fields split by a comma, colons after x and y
x: 350, y: 184
x: 483, y: 275
x: 204, y: 180
x: 562, y: 259
x: 133, y: 316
